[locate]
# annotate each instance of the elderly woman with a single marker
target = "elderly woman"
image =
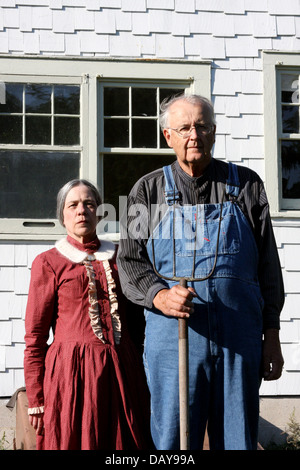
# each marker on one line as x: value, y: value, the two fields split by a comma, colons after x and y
x: 87, y: 390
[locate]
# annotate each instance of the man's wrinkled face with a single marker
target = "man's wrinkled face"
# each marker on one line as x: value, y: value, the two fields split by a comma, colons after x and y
x: 193, y: 152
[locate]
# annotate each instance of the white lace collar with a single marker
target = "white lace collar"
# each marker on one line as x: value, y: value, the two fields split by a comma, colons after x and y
x: 105, y: 252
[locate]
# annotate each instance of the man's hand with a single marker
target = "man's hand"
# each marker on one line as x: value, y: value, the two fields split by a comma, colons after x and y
x: 272, y: 356
x: 175, y: 302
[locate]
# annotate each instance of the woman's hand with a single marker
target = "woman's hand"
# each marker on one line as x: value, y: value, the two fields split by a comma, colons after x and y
x: 37, y: 422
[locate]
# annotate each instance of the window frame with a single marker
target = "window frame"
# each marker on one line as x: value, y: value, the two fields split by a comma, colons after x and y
x: 91, y: 73
x: 274, y: 65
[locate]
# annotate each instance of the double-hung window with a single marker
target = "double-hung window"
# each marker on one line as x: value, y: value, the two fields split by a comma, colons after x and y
x: 282, y: 132
x: 96, y: 119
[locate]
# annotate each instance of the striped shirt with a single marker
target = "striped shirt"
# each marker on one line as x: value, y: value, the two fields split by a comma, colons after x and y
x: 139, y: 282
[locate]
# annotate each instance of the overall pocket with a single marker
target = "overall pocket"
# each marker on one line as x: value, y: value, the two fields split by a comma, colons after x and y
x: 198, y: 226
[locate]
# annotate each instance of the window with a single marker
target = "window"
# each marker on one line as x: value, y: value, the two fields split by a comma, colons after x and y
x: 36, y: 117
x: 290, y: 136
x: 282, y: 133
x: 88, y: 118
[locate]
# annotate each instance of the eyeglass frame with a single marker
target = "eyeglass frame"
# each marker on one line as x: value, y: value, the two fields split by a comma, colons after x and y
x: 189, y: 133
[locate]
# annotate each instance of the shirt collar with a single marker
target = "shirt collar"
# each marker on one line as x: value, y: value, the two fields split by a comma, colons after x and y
x: 195, y: 180
x: 75, y: 251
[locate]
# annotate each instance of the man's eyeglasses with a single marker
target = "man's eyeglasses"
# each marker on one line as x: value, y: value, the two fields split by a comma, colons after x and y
x: 185, y: 132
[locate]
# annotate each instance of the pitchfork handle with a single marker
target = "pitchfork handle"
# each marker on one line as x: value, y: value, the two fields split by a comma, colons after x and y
x: 183, y: 348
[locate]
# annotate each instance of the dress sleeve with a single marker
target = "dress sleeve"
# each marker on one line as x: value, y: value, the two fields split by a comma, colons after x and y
x: 38, y: 319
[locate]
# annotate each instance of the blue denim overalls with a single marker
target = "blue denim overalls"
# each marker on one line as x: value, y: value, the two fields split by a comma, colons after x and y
x: 225, y: 330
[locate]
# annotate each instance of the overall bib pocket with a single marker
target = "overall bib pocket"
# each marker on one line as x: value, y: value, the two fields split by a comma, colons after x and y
x: 197, y: 227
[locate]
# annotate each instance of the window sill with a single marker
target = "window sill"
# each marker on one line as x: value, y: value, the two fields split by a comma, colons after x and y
x: 18, y: 229
x: 286, y: 219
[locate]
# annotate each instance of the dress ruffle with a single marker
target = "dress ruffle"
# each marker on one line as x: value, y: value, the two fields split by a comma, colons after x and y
x: 93, y: 301
x: 94, y: 309
x: 113, y: 301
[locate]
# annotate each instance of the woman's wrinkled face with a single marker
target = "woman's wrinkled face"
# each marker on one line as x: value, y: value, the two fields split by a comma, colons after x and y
x: 80, y: 218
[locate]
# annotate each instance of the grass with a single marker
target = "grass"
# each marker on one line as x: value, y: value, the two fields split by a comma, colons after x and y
x: 3, y: 442
x: 293, y: 438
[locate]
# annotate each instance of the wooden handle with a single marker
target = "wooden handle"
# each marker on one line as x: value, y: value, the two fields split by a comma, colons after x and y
x: 183, y: 365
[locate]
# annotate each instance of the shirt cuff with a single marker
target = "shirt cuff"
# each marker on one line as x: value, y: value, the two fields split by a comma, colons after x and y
x: 152, y: 293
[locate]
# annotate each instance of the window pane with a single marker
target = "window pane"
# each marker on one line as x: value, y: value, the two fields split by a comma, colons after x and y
x: 121, y: 172
x: 168, y: 92
x: 289, y: 88
x: 11, y: 98
x: 287, y: 96
x: 116, y: 101
x: 38, y: 99
x: 38, y: 130
x: 66, y: 131
x: 290, y: 159
x: 290, y: 119
x: 163, y: 142
x: 163, y: 94
x: 66, y: 99
x: 144, y: 133
x: 30, y: 181
x: 116, y: 133
x: 10, y: 129
x: 144, y: 102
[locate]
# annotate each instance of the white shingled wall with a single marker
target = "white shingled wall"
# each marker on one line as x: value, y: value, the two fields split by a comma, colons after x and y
x: 230, y: 33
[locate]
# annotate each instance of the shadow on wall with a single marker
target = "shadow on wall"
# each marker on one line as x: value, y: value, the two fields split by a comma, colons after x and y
x: 270, y: 434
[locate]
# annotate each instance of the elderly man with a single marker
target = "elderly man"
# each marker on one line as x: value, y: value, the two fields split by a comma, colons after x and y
x: 219, y: 212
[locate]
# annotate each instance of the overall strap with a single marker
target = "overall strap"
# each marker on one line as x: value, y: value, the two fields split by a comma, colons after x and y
x: 233, y: 182
x: 171, y: 192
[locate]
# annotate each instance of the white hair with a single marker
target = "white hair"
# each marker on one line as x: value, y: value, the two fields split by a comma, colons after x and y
x: 63, y: 192
x: 193, y: 99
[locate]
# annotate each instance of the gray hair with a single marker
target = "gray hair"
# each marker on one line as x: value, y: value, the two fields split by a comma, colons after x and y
x: 193, y: 99
x: 63, y: 192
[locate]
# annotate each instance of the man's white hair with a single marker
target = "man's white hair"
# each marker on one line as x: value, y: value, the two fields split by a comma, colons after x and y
x: 193, y: 99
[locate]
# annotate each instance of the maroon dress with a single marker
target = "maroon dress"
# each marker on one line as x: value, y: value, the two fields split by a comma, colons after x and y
x: 89, y: 382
